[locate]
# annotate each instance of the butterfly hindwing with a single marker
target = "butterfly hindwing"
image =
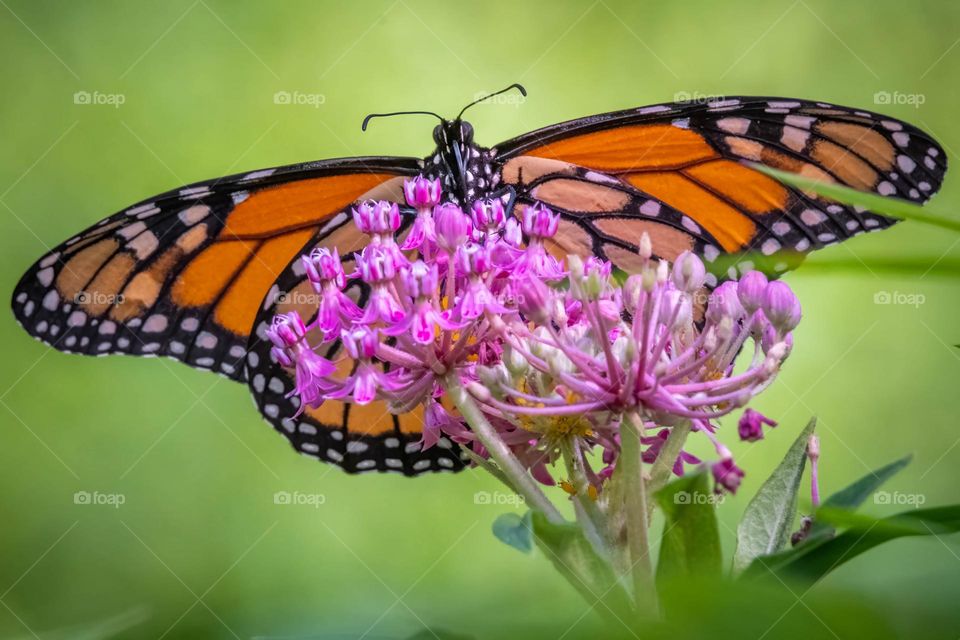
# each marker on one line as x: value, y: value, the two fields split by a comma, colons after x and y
x: 183, y: 274
x: 355, y: 437
x: 695, y: 158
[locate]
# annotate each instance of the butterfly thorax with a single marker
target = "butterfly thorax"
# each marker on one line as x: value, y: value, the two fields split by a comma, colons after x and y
x: 464, y: 168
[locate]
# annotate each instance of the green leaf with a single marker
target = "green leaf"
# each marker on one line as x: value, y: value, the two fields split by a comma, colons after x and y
x: 514, y: 530
x: 574, y: 557
x: 691, y: 540
x: 768, y: 519
x: 807, y: 563
x: 878, y: 204
x: 853, y: 495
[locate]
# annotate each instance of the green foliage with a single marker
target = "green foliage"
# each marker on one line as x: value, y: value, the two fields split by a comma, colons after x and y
x: 767, y: 521
x: 807, y: 563
x: 574, y: 557
x: 691, y: 540
x: 514, y: 530
x: 854, y: 494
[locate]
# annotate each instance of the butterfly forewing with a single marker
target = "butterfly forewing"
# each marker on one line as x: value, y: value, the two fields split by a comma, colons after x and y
x: 183, y: 274
x: 696, y: 158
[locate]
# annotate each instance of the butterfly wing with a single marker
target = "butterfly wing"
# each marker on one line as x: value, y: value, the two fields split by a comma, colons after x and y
x: 355, y: 437
x: 184, y: 274
x: 681, y: 171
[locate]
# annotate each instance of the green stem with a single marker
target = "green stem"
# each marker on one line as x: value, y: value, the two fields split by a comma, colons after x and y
x: 663, y: 465
x: 636, y: 499
x: 522, y: 482
x: 588, y: 513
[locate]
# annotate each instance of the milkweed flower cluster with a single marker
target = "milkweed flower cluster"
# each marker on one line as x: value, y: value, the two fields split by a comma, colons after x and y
x: 555, y: 353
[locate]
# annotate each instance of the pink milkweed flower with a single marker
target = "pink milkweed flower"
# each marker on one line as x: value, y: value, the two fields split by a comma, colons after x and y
x: 752, y: 290
x: 781, y: 307
x: 451, y: 226
x: 750, y: 425
x: 473, y: 261
x: 288, y: 335
x: 361, y: 344
x: 377, y: 218
x: 727, y: 474
x: 539, y: 221
x: 325, y: 273
x: 424, y: 320
x: 590, y: 363
x: 688, y: 273
x: 438, y: 422
x: 377, y: 266
x: 422, y: 193
x: 488, y: 215
x: 323, y: 265
x: 655, y: 444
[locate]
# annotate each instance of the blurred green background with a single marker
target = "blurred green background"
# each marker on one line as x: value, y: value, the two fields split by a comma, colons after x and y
x: 198, y: 548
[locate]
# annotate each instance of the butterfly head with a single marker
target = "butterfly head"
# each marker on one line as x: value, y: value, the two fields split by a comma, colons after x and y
x: 450, y: 132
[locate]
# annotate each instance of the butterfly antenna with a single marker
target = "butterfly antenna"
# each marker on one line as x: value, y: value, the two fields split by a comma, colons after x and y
x: 515, y: 85
x: 366, y: 121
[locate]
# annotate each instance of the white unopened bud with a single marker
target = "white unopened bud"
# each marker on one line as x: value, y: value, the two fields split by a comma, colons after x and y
x: 559, y: 364
x: 646, y: 247
x: 663, y: 271
x: 631, y: 292
x: 516, y: 364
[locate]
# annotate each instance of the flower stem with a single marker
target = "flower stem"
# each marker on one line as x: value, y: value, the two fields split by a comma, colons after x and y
x: 591, y: 519
x: 522, y: 482
x: 638, y: 523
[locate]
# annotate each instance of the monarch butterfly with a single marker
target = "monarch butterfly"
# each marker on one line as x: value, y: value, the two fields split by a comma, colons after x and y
x: 196, y: 273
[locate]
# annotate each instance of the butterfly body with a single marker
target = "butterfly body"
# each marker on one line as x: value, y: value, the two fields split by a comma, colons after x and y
x: 197, y: 273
